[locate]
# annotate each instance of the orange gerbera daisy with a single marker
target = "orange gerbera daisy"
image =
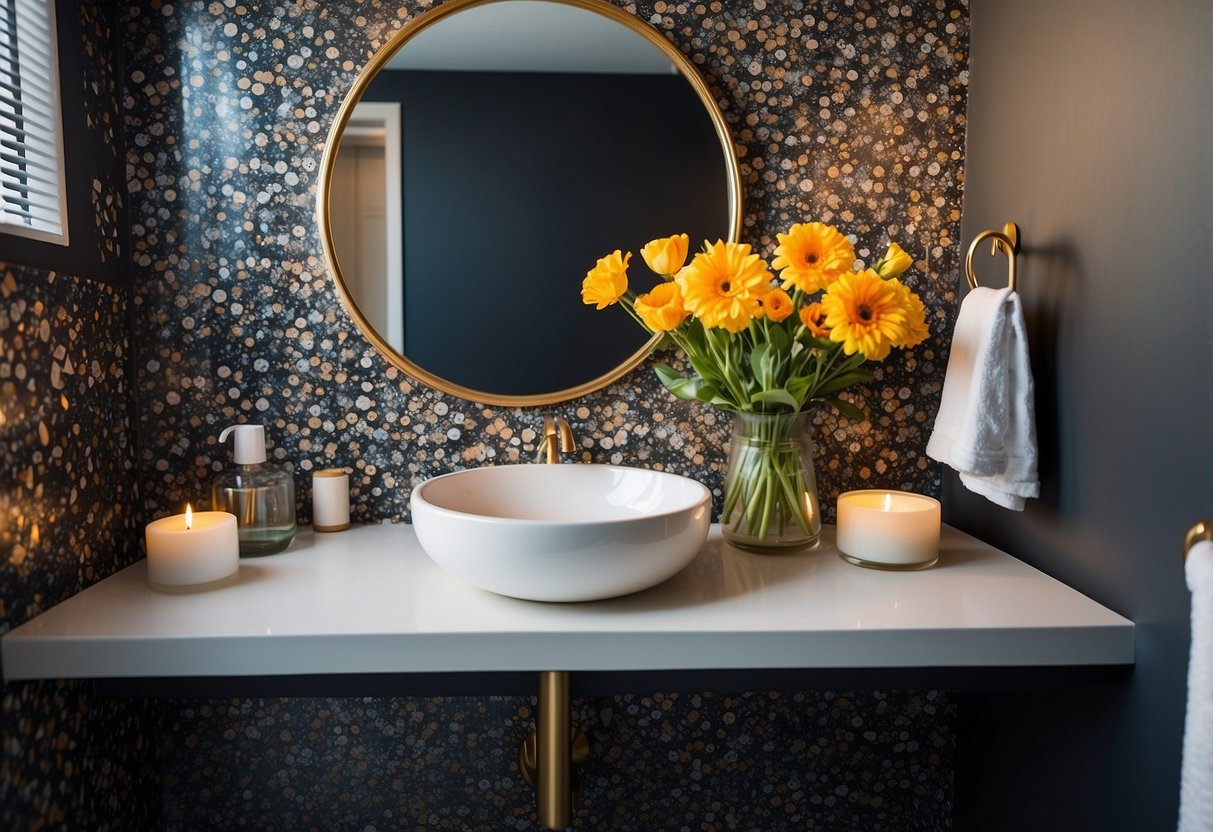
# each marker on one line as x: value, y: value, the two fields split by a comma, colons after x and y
x: 723, y: 284
x: 916, y: 319
x: 813, y: 317
x: 866, y: 314
x: 812, y: 255
x: 777, y: 305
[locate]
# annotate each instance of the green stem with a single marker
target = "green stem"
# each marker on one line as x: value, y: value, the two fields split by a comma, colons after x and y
x: 767, y: 485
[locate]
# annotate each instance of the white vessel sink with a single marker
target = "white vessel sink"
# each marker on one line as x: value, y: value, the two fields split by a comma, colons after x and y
x: 573, y: 532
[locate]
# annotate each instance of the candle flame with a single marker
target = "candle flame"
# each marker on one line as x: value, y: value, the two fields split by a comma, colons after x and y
x: 189, y: 516
x: 888, y: 502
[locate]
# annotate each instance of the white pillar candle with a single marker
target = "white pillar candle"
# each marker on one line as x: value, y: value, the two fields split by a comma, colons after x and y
x: 888, y: 529
x: 192, y: 548
x: 330, y: 500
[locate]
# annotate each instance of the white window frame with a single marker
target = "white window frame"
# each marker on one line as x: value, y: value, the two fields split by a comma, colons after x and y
x: 31, y: 164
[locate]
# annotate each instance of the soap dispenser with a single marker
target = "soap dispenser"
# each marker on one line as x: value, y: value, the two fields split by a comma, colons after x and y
x: 261, y: 495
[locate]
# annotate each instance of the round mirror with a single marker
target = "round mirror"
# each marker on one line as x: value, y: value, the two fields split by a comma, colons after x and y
x: 485, y: 159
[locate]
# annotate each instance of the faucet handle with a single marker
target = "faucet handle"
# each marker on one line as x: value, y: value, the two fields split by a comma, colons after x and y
x: 556, y: 428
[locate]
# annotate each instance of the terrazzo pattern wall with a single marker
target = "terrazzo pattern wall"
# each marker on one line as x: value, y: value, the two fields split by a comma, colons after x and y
x: 760, y: 761
x: 70, y: 758
x: 852, y: 113
x: 848, y: 112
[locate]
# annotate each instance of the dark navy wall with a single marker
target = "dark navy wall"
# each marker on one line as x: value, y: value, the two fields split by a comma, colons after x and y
x: 514, y: 184
x: 1090, y: 125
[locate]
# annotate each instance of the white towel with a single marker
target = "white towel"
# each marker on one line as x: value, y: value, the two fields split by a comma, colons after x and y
x: 1196, y: 781
x: 986, y: 427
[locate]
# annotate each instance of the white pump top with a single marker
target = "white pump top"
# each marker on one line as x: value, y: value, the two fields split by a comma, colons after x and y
x: 250, y: 443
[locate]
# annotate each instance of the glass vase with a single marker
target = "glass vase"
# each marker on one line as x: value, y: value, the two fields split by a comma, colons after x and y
x: 770, y: 489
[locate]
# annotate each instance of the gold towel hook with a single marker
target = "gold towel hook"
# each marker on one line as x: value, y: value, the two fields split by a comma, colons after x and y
x: 1201, y: 531
x: 1006, y: 240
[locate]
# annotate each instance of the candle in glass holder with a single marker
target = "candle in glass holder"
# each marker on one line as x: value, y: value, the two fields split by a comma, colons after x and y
x: 198, y: 547
x: 888, y: 529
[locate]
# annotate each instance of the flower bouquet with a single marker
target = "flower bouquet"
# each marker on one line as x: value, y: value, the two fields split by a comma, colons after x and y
x: 769, y: 350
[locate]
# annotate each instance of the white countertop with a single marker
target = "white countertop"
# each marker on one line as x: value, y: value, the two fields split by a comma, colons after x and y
x: 368, y: 600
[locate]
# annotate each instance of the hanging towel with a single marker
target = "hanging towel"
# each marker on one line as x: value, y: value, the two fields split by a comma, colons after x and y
x: 986, y: 427
x: 1196, y: 781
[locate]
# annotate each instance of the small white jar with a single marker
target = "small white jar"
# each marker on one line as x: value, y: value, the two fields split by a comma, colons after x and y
x: 330, y: 500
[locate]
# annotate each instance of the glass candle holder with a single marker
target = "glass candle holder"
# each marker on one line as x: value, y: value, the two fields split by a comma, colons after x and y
x: 888, y: 529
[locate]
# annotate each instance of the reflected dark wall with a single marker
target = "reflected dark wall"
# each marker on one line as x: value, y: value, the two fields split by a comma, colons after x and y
x: 514, y: 184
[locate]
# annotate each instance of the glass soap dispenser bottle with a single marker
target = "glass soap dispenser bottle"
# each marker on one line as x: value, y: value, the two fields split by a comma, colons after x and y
x: 261, y: 495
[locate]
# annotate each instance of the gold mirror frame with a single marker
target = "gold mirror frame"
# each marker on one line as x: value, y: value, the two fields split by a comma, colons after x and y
x: 364, y: 79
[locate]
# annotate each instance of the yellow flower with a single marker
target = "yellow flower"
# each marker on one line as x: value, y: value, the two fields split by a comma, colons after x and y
x: 812, y: 255
x: 865, y: 314
x: 917, y: 330
x: 661, y: 309
x: 777, y: 305
x: 723, y: 285
x: 894, y: 262
x: 813, y: 317
x: 666, y: 255
x: 607, y: 281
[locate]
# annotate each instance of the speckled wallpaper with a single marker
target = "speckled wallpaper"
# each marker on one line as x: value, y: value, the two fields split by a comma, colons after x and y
x: 848, y: 112
x: 852, y: 113
x: 69, y: 757
x: 834, y: 762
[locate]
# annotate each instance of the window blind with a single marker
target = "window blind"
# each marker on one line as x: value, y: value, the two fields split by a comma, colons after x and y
x: 31, y: 165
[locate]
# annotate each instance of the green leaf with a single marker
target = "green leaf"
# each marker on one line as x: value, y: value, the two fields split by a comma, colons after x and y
x: 798, y: 387
x: 683, y: 388
x: 760, y: 363
x: 666, y: 343
x: 710, y: 395
x: 842, y: 382
x: 779, y: 339
x: 690, y: 389
x: 707, y: 370
x: 847, y: 409
x: 776, y: 397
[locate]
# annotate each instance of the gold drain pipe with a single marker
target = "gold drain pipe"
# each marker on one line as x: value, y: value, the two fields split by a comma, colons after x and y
x: 552, y: 755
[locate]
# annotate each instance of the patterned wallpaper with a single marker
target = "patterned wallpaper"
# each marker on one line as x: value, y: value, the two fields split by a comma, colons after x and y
x: 71, y: 758
x: 849, y: 112
x: 758, y: 761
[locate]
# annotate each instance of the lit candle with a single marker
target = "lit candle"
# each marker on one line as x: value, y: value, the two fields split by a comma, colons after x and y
x: 192, y: 548
x: 888, y: 529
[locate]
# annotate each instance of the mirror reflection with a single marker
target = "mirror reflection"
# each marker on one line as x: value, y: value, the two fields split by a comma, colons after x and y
x: 487, y: 165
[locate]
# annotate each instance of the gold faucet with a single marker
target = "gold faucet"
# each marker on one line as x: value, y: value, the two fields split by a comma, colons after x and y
x: 553, y: 428
x: 551, y: 756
